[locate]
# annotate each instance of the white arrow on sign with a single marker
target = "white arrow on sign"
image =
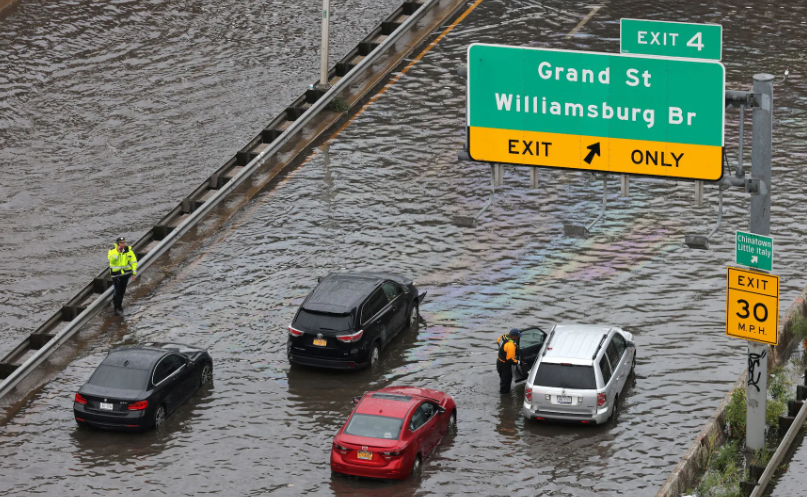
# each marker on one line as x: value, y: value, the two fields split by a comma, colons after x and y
x: 754, y: 259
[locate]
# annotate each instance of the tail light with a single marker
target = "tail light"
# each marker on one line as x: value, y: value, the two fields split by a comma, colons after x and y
x: 350, y: 338
x: 295, y: 332
x: 139, y: 406
x: 341, y: 448
x: 528, y: 394
x: 394, y: 453
x: 601, y: 398
x: 80, y: 399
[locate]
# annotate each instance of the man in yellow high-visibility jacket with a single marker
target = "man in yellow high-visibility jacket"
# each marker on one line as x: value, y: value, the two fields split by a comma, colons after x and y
x: 507, y: 358
x: 122, y: 265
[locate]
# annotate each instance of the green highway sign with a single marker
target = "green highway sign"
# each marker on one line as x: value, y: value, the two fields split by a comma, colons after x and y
x: 671, y: 39
x: 596, y: 111
x: 754, y: 251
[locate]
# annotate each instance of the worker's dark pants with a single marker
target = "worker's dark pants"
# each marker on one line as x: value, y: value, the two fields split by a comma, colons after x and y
x: 505, y: 376
x: 119, y: 282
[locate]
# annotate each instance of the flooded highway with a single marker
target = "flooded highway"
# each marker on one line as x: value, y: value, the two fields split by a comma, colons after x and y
x: 111, y: 112
x: 382, y: 197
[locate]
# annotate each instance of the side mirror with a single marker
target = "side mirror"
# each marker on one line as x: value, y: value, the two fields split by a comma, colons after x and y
x: 356, y: 399
x: 441, y: 409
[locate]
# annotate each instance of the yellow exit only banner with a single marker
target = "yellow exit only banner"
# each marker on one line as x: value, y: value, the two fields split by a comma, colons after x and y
x: 614, y: 155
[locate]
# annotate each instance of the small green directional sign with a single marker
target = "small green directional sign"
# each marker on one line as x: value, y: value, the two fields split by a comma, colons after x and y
x: 671, y: 39
x: 754, y: 251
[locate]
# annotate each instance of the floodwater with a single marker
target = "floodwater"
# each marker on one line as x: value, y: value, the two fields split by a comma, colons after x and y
x: 384, y: 199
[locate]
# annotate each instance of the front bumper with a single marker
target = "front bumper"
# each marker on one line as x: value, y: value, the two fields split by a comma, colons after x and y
x: 130, y: 421
x: 600, y: 417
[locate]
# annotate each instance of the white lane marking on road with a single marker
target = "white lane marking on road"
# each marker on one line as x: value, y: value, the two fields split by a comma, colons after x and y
x: 584, y: 21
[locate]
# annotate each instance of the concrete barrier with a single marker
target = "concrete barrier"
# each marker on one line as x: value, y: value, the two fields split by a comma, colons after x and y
x: 685, y: 474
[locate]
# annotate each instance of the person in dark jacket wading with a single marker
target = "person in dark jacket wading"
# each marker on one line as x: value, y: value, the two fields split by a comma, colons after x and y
x: 508, y: 357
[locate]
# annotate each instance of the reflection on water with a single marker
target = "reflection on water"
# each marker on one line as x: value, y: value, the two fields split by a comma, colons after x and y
x: 384, y: 201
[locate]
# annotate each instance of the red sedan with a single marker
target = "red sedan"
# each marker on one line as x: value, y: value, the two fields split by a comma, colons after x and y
x: 391, y: 431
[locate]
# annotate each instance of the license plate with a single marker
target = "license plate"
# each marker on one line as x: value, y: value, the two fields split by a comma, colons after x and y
x: 564, y: 399
x: 320, y: 341
x: 106, y: 406
x: 365, y: 455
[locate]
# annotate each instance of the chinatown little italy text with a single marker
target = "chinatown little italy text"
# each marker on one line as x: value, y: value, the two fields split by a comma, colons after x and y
x: 540, y: 104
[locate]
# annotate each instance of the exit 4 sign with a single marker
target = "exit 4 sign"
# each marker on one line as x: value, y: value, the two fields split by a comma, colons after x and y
x: 671, y: 39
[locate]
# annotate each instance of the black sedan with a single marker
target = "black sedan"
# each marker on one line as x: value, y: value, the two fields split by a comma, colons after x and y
x: 349, y: 318
x: 136, y: 388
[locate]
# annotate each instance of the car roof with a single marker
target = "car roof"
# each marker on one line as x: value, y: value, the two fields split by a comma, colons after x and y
x: 575, y: 343
x: 340, y: 293
x: 135, y: 357
x: 394, y: 405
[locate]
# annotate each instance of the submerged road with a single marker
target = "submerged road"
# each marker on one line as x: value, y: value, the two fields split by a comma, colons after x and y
x: 384, y: 199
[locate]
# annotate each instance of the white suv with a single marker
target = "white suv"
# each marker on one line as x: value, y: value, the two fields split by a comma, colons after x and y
x: 579, y: 374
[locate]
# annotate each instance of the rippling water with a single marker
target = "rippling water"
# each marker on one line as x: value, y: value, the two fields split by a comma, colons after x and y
x: 384, y: 200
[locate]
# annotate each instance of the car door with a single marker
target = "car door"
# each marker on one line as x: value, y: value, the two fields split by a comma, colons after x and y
x: 165, y: 381
x: 375, y: 316
x: 529, y: 346
x: 425, y: 423
x: 398, y: 314
x: 624, y: 358
x: 614, y: 360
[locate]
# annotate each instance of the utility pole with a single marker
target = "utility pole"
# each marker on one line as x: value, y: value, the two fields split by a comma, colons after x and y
x: 756, y: 390
x: 323, y: 68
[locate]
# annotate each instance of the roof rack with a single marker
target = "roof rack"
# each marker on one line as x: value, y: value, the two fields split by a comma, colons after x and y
x: 600, y: 345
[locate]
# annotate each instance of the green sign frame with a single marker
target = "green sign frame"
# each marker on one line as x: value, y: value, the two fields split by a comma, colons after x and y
x: 752, y: 250
x: 671, y: 39
x: 628, y: 114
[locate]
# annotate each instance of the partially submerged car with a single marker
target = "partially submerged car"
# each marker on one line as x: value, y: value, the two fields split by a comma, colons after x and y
x: 136, y: 387
x: 348, y: 318
x: 578, y: 375
x: 391, y: 432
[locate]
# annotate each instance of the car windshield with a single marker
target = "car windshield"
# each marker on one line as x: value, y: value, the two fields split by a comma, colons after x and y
x: 369, y: 425
x: 323, y: 321
x: 123, y: 378
x: 565, y: 376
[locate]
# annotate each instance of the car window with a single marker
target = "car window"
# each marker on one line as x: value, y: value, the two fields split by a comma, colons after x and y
x: 376, y: 302
x: 370, y: 425
x: 613, y: 355
x: 118, y: 377
x: 323, y: 321
x: 605, y: 368
x: 619, y: 343
x: 391, y: 290
x: 530, y: 337
x: 167, y: 366
x: 418, y: 420
x: 565, y: 376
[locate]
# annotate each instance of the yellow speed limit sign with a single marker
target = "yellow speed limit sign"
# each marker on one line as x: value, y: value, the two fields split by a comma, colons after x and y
x: 752, y: 305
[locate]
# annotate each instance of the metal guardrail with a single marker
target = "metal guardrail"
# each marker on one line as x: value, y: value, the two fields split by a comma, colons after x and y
x: 417, y: 12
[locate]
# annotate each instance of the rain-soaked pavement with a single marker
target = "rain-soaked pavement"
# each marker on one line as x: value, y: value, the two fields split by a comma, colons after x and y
x: 384, y: 200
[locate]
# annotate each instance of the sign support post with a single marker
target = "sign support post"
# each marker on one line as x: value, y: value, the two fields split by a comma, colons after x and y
x: 323, y: 66
x: 760, y: 223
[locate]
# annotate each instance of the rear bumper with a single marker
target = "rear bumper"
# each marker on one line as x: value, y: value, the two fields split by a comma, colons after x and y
x: 534, y: 414
x: 130, y: 421
x: 394, y: 470
x: 325, y: 362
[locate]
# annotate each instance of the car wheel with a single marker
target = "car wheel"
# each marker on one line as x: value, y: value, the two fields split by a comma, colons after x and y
x: 417, y: 465
x: 413, y: 317
x: 452, y: 422
x: 159, y: 417
x: 374, y: 356
x: 207, y: 375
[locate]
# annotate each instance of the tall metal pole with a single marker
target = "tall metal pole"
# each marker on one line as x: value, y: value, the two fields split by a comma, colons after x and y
x: 323, y: 68
x: 757, y: 389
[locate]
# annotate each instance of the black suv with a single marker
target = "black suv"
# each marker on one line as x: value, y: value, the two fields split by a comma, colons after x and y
x: 349, y: 317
